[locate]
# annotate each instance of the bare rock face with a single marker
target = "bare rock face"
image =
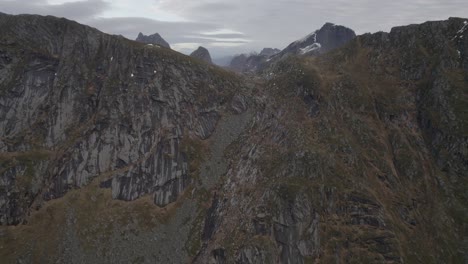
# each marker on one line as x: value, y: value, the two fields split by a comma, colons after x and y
x: 154, y: 39
x: 202, y: 54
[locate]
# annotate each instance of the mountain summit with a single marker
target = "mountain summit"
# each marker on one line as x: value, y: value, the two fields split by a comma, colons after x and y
x: 202, y: 54
x: 154, y: 39
x: 329, y: 37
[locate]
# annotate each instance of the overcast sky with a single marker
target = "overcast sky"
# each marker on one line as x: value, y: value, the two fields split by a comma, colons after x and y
x: 227, y: 27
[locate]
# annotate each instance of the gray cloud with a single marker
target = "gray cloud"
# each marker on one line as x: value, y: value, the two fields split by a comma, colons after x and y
x: 207, y: 40
x: 189, y: 35
x: 213, y: 7
x: 246, y: 25
x: 227, y: 35
x: 79, y: 10
x: 131, y: 26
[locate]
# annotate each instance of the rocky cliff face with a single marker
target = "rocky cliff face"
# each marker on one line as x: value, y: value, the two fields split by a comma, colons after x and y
x: 82, y: 104
x: 117, y: 152
x: 154, y: 39
x: 202, y: 54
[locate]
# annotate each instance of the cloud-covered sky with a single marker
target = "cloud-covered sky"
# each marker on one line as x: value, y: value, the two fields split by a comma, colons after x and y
x: 233, y: 26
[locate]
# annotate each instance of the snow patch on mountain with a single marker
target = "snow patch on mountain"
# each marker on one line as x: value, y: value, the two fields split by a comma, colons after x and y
x: 310, y: 48
x: 462, y: 30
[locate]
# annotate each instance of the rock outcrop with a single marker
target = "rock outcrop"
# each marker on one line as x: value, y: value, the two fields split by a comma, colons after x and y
x: 202, y: 54
x: 113, y: 151
x: 154, y: 39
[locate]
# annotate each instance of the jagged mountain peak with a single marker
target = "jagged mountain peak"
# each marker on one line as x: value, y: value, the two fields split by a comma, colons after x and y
x: 328, y: 37
x: 154, y: 39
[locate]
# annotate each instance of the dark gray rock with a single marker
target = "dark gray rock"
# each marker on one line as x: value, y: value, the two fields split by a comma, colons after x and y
x: 238, y: 104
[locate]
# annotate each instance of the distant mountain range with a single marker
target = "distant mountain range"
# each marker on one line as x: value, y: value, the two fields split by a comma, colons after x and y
x: 327, y: 38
